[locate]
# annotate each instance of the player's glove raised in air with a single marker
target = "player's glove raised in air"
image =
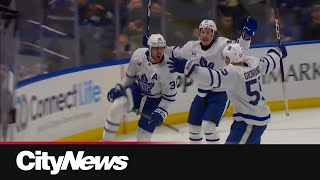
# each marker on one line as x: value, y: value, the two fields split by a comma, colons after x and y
x: 158, y: 116
x: 280, y: 50
x: 283, y: 50
x: 250, y: 26
x: 145, y: 39
x: 181, y: 65
x: 115, y: 92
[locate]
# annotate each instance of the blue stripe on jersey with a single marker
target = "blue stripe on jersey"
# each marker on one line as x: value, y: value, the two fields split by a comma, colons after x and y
x: 171, y: 100
x: 191, y: 139
x: 146, y: 94
x: 194, y: 133
x: 173, y: 51
x: 110, y: 131
x: 274, y: 62
x: 130, y: 76
x: 112, y: 123
x: 247, y: 116
x: 267, y: 65
x: 211, y: 75
x: 170, y: 95
x: 219, y: 77
x: 203, y: 91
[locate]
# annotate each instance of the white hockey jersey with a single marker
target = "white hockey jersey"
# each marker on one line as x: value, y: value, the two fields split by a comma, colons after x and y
x: 154, y: 80
x: 243, y: 86
x: 211, y: 58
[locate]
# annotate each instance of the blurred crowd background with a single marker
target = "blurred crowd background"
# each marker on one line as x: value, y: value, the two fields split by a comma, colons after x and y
x: 59, y: 34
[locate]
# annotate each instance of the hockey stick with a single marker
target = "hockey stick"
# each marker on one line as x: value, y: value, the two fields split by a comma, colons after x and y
x: 130, y: 100
x: 277, y: 26
x: 148, y: 17
x: 7, y: 11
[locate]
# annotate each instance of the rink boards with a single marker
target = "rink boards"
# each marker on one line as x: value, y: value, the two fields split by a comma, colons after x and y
x: 71, y: 105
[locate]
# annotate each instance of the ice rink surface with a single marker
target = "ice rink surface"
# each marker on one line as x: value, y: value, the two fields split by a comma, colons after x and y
x: 301, y: 127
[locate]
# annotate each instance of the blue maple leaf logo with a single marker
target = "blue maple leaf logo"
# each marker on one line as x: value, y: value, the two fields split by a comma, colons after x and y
x: 204, y: 63
x: 145, y: 85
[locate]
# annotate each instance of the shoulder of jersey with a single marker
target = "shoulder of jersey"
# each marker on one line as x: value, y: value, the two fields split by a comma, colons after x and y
x: 190, y: 44
x: 234, y: 69
x: 251, y: 60
x: 164, y: 64
x: 223, y: 40
x: 140, y: 53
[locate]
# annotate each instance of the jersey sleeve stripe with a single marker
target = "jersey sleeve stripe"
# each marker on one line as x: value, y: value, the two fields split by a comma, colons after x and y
x: 170, y: 100
x: 211, y: 76
x: 172, y: 54
x: 267, y: 71
x: 274, y: 62
x: 203, y: 91
x: 247, y: 116
x: 130, y: 76
x: 170, y: 95
x: 152, y: 95
x: 219, y: 78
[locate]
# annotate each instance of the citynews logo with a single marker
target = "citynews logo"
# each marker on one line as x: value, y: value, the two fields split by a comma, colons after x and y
x: 27, y: 160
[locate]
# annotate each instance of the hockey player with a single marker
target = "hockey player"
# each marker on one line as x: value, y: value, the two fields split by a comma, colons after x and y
x: 148, y: 78
x: 209, y: 105
x: 241, y: 77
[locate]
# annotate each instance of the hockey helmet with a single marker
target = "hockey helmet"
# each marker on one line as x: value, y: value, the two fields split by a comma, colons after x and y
x: 210, y: 24
x: 156, y: 40
x: 234, y: 52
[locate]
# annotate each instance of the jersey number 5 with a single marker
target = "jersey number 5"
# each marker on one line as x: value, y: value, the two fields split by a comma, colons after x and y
x: 255, y: 93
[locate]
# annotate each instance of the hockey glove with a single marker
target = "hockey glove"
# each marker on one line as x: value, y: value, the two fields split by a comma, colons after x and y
x: 115, y: 92
x: 281, y: 51
x: 251, y: 26
x: 158, y: 116
x: 181, y: 65
x: 145, y: 39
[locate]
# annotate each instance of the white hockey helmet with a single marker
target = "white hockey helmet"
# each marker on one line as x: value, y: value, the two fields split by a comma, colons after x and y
x: 210, y: 24
x: 156, y: 40
x: 234, y: 52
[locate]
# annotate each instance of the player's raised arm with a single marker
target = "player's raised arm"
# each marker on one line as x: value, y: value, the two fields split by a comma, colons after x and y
x: 208, y: 78
x: 249, y: 28
x: 271, y: 61
x: 205, y: 77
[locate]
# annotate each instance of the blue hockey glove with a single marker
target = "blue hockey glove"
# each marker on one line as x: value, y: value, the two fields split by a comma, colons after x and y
x: 145, y: 39
x: 181, y: 65
x: 115, y: 92
x: 158, y: 116
x: 177, y: 64
x: 251, y: 26
x: 283, y: 50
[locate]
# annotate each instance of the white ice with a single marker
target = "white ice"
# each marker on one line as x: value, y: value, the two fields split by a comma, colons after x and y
x: 301, y: 127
